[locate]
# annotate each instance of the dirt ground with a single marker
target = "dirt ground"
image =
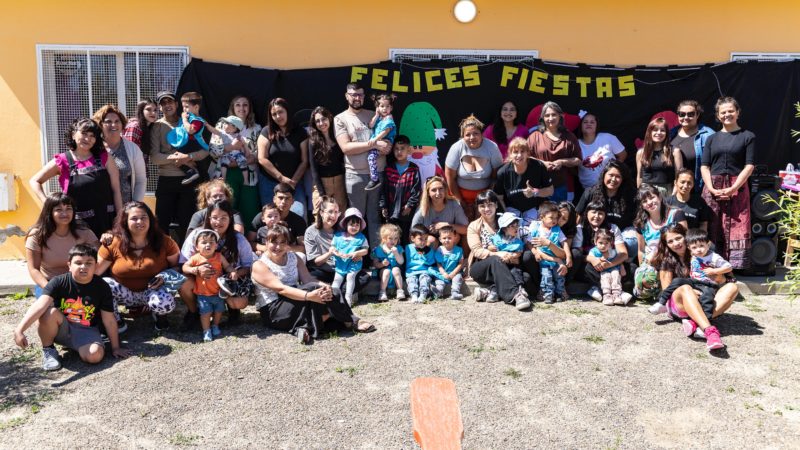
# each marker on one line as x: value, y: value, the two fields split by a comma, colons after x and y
x: 572, y: 375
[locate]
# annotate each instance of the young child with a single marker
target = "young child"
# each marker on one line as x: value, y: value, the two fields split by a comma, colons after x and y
x: 419, y: 259
x: 383, y: 128
x: 507, y: 240
x: 550, y: 248
x: 388, y: 258
x: 269, y: 217
x: 449, y: 260
x: 209, y: 301
x: 81, y: 301
x: 610, y: 278
x: 349, y: 246
x: 235, y: 150
x: 188, y: 137
x: 401, y: 192
x: 706, y: 264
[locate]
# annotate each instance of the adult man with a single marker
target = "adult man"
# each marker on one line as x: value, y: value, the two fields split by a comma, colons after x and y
x: 352, y: 133
x: 175, y: 202
x: 283, y: 198
x: 70, y: 310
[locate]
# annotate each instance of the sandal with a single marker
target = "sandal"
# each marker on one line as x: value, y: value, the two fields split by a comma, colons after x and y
x: 364, y: 327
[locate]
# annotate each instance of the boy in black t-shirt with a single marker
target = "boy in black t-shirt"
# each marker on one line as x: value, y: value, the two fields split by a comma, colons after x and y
x: 67, y: 312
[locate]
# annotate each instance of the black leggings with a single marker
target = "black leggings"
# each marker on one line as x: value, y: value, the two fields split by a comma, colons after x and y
x: 286, y: 314
x: 492, y: 271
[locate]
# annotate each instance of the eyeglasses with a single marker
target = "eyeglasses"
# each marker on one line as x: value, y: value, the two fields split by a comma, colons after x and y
x: 689, y: 114
x: 355, y: 95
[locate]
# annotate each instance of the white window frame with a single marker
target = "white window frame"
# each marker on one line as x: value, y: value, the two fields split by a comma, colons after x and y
x: 461, y: 55
x: 763, y: 56
x: 120, y: 50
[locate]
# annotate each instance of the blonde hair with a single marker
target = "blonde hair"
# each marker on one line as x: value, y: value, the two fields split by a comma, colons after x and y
x: 205, y: 188
x: 425, y: 203
x: 470, y: 121
x: 518, y: 143
x: 388, y: 230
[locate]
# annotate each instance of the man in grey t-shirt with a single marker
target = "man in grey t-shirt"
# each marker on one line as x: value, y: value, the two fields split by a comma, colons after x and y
x: 352, y: 133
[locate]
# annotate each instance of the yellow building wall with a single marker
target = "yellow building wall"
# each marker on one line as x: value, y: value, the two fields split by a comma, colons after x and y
x: 305, y: 33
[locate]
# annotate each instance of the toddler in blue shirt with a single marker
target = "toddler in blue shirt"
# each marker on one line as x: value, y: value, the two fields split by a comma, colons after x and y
x: 449, y: 260
x: 349, y: 246
x: 388, y: 258
x: 419, y: 259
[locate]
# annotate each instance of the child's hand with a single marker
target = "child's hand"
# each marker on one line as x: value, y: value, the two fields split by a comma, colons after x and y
x: 622, y: 270
x: 491, y: 248
x: 562, y: 269
x: 233, y: 275
x: 185, y: 115
x: 406, y: 211
x: 710, y: 271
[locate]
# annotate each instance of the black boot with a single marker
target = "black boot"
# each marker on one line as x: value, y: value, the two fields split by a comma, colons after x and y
x: 234, y: 318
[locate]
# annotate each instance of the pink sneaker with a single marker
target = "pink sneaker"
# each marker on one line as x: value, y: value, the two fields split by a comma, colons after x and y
x: 689, y: 326
x: 713, y: 341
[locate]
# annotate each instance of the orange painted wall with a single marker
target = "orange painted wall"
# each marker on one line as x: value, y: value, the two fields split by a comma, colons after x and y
x: 305, y: 33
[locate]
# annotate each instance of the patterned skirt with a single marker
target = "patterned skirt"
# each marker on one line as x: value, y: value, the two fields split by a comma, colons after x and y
x: 730, y: 224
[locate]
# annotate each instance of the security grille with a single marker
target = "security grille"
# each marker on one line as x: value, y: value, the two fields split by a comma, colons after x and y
x: 460, y: 55
x: 744, y: 56
x: 74, y: 81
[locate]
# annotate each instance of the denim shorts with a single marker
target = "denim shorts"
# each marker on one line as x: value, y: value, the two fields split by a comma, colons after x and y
x: 208, y: 304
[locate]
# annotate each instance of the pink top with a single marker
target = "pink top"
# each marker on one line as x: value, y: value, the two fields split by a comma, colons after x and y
x: 520, y: 131
x: 63, y: 167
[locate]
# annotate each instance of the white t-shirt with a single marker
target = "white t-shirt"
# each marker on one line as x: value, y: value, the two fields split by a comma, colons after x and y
x: 596, y: 156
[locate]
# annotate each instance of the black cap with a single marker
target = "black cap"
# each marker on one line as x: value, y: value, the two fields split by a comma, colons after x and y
x: 164, y: 94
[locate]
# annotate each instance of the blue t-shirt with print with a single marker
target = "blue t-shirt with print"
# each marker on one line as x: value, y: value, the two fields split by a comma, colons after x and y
x: 507, y: 245
x: 418, y: 260
x: 612, y: 253
x: 344, y: 243
x: 383, y: 124
x: 555, y: 236
x: 448, y: 259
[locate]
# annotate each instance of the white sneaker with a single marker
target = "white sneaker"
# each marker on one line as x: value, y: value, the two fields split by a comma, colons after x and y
x: 657, y: 308
x: 382, y: 297
x: 401, y: 294
x: 595, y: 293
x: 626, y: 297
x: 521, y: 300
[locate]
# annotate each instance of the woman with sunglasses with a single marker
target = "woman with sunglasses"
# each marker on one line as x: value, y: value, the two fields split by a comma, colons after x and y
x: 690, y: 137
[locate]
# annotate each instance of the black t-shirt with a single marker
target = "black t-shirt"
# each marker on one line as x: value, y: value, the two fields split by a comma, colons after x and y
x: 297, y: 226
x: 696, y: 210
x: 335, y: 165
x: 728, y: 153
x: 200, y: 216
x: 80, y: 302
x: 658, y: 172
x: 511, y: 185
x: 686, y: 145
x: 620, y: 209
x: 284, y: 152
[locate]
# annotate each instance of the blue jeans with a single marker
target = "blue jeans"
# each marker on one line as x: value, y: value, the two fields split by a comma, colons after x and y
x: 266, y: 187
x: 208, y: 304
x: 552, y: 283
x: 419, y: 284
x: 560, y: 193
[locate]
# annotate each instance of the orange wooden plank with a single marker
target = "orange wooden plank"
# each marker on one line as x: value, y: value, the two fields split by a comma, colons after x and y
x: 436, y: 413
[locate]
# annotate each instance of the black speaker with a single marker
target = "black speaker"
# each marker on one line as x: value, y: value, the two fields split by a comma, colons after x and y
x: 763, y: 224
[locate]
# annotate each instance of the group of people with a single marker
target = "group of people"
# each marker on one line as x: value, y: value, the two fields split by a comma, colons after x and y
x: 235, y: 203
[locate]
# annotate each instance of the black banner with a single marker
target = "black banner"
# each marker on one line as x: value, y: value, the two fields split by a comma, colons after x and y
x: 437, y: 95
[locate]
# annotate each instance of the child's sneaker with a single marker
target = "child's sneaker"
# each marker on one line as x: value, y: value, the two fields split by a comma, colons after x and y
x: 492, y: 297
x: 548, y: 299
x: 50, y: 359
x: 521, y: 300
x: 382, y: 297
x: 207, y: 336
x: 456, y: 295
x: 595, y: 293
x: 215, y: 330
x: 191, y: 175
x: 608, y: 300
x: 401, y: 294
x: 626, y: 297
x: 417, y: 299
x: 657, y: 308
x: 619, y: 301
x: 699, y: 334
x: 563, y: 296
x: 372, y: 185
x: 481, y: 294
x: 713, y: 340
x: 688, y: 326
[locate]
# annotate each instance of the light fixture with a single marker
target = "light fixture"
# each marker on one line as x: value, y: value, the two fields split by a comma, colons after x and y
x: 465, y: 11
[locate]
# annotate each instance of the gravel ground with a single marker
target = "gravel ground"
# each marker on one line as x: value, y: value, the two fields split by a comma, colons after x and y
x: 572, y: 375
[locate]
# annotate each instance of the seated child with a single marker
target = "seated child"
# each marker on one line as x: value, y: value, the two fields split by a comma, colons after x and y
x: 188, y: 138
x: 388, y: 258
x: 349, y: 247
x: 449, y: 260
x: 419, y: 259
x: 383, y: 128
x: 235, y: 150
x: 706, y: 264
x: 610, y: 278
x: 67, y: 312
x: 269, y: 217
x: 507, y: 239
x: 207, y: 290
x: 550, y: 248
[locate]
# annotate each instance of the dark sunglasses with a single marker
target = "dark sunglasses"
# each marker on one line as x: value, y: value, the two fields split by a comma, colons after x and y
x: 689, y: 114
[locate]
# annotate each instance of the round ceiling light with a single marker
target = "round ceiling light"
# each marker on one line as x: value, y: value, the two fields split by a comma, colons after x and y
x: 465, y: 11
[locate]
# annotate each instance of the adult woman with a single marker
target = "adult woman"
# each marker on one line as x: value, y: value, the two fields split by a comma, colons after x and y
x: 438, y: 208
x: 245, y: 196
x: 674, y: 261
x: 507, y: 126
x: 236, y: 250
x: 597, y: 150
x: 490, y: 268
x: 281, y: 157
x: 325, y: 159
x: 558, y: 149
x: 212, y: 192
x: 615, y: 191
x: 657, y: 161
x: 690, y: 137
x: 652, y: 215
x: 471, y: 164
x: 127, y: 155
x: 685, y: 198
x: 49, y: 240
x: 85, y: 173
x: 587, y: 266
x: 140, y: 258
x: 523, y: 182
x: 137, y: 130
x: 290, y: 299
x: 728, y: 162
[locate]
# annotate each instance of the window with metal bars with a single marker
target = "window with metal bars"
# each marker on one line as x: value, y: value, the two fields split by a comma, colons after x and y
x: 461, y: 55
x: 75, y: 81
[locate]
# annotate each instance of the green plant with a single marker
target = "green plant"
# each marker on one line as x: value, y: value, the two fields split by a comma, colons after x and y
x: 184, y: 439
x: 20, y: 295
x: 513, y: 373
x: 594, y: 339
x: 796, y: 133
x: 788, y: 218
x: 349, y: 370
x: 581, y: 312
